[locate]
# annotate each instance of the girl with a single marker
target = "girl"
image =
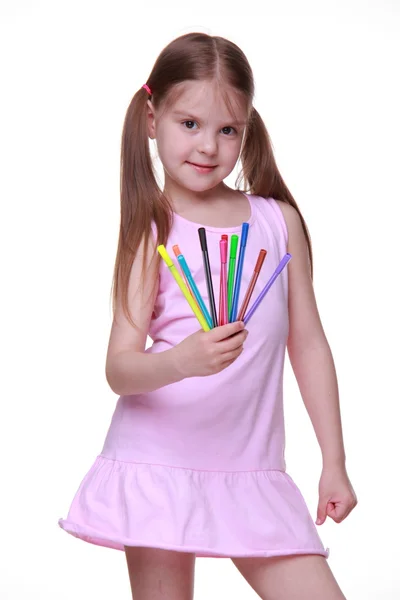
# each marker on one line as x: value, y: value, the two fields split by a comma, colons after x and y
x: 193, y: 462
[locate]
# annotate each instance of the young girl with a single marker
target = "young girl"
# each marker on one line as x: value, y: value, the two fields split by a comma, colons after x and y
x: 193, y: 462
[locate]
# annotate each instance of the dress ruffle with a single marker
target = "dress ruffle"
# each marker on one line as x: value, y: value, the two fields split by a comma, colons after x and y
x: 210, y: 513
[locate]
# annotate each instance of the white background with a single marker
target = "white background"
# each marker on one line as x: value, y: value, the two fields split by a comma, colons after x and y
x: 327, y: 86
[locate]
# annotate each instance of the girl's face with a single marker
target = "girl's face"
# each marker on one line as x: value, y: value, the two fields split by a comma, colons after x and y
x: 198, y: 138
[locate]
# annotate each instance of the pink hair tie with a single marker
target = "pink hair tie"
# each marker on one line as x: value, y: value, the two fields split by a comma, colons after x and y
x: 148, y: 90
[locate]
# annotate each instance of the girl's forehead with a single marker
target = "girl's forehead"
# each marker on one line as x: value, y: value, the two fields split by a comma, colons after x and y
x: 201, y: 98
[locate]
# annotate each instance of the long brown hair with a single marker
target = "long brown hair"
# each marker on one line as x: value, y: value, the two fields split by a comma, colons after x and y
x: 194, y: 56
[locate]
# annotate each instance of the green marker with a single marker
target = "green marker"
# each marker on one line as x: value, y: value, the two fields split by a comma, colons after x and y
x: 231, y: 272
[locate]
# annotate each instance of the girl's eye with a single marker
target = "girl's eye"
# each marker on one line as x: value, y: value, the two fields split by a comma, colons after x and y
x: 228, y: 130
x: 192, y: 125
x: 189, y: 124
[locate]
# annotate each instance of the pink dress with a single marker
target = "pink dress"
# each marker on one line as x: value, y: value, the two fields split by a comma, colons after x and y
x: 198, y: 466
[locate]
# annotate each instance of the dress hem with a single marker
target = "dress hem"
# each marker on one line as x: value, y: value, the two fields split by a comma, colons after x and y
x: 99, y: 539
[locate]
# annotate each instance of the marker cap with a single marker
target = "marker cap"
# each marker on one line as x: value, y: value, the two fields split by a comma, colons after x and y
x: 284, y: 262
x: 260, y: 260
x: 245, y: 231
x: 223, y: 247
x: 176, y: 250
x: 164, y: 254
x: 203, y: 239
x: 234, y: 245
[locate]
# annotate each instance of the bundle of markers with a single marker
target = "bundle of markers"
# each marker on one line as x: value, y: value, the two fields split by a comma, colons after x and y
x: 230, y: 281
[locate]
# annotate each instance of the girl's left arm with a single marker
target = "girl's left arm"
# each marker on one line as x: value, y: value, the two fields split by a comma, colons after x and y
x: 314, y: 369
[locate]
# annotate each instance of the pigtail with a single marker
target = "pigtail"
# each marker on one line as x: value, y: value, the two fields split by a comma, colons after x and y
x: 260, y: 173
x: 141, y: 199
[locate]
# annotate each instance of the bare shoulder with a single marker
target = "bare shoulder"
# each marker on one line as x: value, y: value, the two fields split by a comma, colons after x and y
x: 291, y: 217
x: 297, y: 244
x: 305, y: 324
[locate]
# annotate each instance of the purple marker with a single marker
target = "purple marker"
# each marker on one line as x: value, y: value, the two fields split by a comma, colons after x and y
x: 277, y: 271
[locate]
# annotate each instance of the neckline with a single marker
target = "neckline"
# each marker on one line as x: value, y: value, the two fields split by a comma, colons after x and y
x: 237, y: 228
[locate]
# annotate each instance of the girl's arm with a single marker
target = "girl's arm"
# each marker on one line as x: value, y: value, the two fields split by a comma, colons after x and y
x: 129, y: 370
x: 308, y: 348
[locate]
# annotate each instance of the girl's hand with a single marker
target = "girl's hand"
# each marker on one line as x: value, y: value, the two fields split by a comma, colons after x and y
x: 336, y: 495
x: 209, y: 352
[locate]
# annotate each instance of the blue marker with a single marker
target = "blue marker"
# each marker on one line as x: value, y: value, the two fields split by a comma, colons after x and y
x: 195, y: 290
x: 238, y: 281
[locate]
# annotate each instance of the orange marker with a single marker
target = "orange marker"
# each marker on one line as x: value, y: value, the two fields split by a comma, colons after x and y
x: 257, y: 269
x: 177, y: 252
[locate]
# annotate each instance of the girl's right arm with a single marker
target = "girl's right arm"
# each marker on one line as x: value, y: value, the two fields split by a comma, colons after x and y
x: 130, y: 371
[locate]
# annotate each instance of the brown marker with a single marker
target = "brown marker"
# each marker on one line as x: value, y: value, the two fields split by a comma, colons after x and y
x: 257, y: 269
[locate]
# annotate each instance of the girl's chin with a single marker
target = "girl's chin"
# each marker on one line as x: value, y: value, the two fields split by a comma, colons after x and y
x: 194, y: 184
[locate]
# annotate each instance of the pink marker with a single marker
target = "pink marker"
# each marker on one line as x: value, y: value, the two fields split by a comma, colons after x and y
x: 223, y: 299
x: 223, y: 237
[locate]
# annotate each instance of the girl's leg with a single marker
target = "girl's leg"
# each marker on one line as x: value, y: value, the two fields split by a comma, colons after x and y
x: 157, y: 574
x: 295, y: 577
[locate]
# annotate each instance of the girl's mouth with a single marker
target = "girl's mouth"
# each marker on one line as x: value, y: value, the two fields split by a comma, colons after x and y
x: 202, y: 168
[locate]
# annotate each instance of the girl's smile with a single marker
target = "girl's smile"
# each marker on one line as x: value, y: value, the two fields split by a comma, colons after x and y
x: 202, y: 168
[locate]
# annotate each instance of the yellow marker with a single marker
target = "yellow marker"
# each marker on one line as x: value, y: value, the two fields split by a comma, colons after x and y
x: 168, y: 261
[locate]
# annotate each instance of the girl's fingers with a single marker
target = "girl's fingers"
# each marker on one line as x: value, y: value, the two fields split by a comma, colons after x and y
x: 223, y: 332
x: 339, y: 511
x: 233, y: 343
x: 232, y: 356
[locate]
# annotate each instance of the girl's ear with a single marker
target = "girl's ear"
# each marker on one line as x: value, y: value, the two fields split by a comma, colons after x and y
x: 151, y: 123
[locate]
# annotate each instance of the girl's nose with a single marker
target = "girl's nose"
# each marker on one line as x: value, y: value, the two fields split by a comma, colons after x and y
x: 208, y: 144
